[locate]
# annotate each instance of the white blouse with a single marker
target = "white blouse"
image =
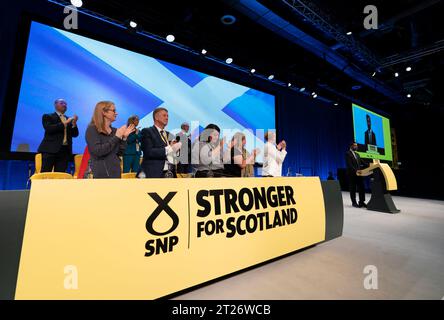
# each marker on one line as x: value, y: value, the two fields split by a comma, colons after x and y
x: 273, y: 159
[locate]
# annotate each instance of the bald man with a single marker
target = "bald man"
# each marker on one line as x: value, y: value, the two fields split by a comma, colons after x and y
x: 56, y: 146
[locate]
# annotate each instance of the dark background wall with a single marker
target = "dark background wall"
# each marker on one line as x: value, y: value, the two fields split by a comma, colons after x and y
x: 317, y: 133
x: 420, y: 136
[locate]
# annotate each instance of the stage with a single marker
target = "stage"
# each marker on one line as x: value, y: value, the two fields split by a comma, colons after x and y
x: 407, y: 249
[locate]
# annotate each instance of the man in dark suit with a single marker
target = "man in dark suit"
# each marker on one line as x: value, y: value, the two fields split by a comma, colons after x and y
x: 158, y: 149
x: 184, y: 154
x: 370, y: 137
x: 354, y: 164
x: 56, y: 146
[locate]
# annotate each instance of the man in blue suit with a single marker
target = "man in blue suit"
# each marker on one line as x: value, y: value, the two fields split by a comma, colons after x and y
x: 158, y: 149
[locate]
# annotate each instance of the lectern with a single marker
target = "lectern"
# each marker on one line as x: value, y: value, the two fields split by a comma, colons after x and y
x: 383, y: 181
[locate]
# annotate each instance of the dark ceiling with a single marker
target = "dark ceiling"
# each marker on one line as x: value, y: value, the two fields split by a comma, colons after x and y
x: 406, y: 28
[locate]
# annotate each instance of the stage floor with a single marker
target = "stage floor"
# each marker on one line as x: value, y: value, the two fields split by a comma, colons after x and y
x: 406, y: 248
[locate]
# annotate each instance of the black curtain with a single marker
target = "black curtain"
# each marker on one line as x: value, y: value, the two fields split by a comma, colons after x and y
x: 317, y: 134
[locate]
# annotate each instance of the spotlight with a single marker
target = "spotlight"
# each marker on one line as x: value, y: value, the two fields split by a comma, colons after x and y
x: 229, y: 60
x: 289, y: 84
x: 170, y: 38
x: 409, y: 95
x: 228, y: 19
x: 336, y: 103
x: 374, y: 73
x: 77, y: 3
x: 349, y: 33
x: 131, y: 26
x: 253, y: 70
x: 315, y: 96
x: 396, y: 74
x: 204, y: 51
x: 313, y: 93
x: 271, y: 77
x: 302, y: 89
x: 408, y: 69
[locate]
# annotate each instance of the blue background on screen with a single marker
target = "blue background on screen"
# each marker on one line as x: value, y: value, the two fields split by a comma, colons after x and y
x: 360, y: 125
x: 83, y: 71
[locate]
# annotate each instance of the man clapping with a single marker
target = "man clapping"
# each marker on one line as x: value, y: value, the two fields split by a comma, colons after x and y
x: 56, y: 146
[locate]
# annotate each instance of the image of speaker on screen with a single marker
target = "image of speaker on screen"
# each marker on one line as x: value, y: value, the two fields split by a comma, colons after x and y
x: 370, y: 137
x: 369, y: 132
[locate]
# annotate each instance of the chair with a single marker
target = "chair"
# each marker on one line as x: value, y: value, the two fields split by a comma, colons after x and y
x: 183, y: 175
x: 77, y: 163
x: 129, y: 175
x: 51, y: 175
x: 38, y: 162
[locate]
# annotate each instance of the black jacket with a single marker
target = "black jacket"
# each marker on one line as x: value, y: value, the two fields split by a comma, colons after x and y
x: 54, y: 132
x: 153, y: 148
x: 353, y: 164
x: 105, y: 151
x: 367, y: 140
x: 184, y: 156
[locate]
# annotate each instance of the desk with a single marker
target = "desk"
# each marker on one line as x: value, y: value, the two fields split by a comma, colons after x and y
x: 150, y: 238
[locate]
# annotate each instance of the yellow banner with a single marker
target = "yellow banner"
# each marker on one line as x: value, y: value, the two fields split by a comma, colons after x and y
x: 144, y: 239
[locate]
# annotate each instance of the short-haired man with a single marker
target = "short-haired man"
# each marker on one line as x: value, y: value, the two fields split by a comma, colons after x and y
x: 56, y: 146
x: 354, y: 163
x: 370, y: 137
x: 158, y: 148
x: 184, y: 153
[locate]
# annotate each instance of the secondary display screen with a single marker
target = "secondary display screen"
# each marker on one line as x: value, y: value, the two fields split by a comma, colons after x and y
x: 372, y: 134
x: 83, y: 71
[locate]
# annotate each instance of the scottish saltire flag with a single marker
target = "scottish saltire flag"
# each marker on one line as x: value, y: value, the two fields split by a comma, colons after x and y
x: 83, y: 71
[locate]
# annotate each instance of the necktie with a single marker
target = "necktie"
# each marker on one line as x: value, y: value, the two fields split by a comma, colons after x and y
x: 164, y: 137
x: 356, y: 158
x: 65, y: 140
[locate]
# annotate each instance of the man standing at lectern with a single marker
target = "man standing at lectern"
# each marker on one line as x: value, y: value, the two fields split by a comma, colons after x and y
x: 354, y: 163
x: 56, y: 146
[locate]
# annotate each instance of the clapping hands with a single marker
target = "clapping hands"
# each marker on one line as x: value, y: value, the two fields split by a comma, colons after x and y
x: 282, y: 145
x: 124, y: 131
x: 175, y: 145
x: 72, y: 120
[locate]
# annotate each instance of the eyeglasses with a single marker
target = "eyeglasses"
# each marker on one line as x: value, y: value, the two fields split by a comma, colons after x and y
x: 112, y: 110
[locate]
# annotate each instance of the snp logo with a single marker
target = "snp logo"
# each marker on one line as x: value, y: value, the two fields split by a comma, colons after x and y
x: 162, y: 244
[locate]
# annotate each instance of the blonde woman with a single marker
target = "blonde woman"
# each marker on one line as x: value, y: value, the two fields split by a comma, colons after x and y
x: 106, y: 143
